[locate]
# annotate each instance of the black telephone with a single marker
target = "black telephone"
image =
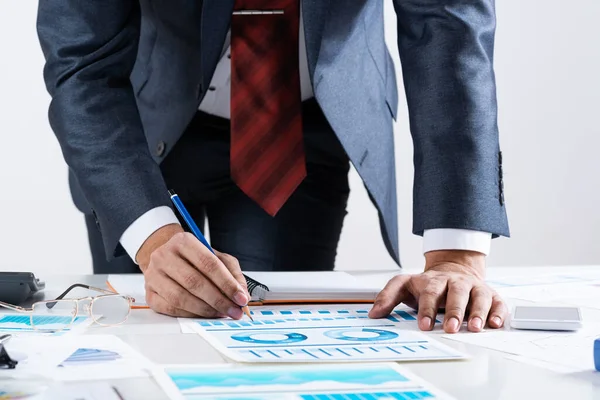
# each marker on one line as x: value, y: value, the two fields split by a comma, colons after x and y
x: 16, y: 287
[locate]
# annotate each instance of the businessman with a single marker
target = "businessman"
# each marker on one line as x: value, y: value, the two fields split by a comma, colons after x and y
x: 252, y: 111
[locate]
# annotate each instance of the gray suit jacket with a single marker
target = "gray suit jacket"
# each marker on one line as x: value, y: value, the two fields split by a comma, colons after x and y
x: 127, y: 76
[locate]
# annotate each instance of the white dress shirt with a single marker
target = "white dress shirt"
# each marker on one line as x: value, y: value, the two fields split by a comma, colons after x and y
x: 217, y: 102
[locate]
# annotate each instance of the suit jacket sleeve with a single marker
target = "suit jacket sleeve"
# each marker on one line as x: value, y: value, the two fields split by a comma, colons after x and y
x: 446, y: 49
x: 90, y: 48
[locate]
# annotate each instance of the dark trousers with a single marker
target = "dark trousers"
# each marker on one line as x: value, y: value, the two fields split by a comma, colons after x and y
x: 304, y: 234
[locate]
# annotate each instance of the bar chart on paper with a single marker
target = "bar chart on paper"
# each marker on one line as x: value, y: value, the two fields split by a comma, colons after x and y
x: 297, y: 382
x: 286, y: 318
x: 22, y: 323
x: 311, y: 333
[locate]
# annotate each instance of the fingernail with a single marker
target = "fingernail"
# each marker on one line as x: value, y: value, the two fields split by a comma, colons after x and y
x: 240, y: 298
x: 477, y: 323
x: 425, y: 324
x: 497, y: 321
x: 452, y: 324
x: 235, y: 313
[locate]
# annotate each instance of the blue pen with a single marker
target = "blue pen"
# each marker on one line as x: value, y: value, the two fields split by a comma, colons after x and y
x: 189, y: 220
x: 196, y: 231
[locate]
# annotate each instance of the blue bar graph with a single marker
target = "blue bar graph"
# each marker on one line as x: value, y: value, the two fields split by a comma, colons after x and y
x: 266, y: 312
x: 398, y: 395
x: 405, y: 315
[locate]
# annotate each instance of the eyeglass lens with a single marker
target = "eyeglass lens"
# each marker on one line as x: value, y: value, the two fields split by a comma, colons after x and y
x: 110, y: 310
x: 56, y: 318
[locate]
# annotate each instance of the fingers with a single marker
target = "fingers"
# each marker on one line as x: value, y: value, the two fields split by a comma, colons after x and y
x: 457, y: 300
x: 178, y: 299
x: 233, y: 265
x: 160, y: 305
x: 498, y: 312
x: 197, y: 285
x: 481, y: 301
x: 211, y: 267
x: 392, y: 294
x: 429, y: 301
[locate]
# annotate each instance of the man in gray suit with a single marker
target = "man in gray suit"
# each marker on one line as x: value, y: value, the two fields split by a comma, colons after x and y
x: 252, y: 110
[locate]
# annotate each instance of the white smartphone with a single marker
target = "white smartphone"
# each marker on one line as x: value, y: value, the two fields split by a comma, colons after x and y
x: 546, y: 318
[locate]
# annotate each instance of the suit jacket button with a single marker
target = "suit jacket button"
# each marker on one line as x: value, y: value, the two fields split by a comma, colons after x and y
x: 160, y: 148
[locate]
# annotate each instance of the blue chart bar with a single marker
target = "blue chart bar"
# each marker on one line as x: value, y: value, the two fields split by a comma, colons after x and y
x: 392, y: 318
x: 369, y: 396
x: 266, y: 312
x: 217, y: 323
x: 39, y: 320
x: 406, y: 316
x: 362, y: 311
x: 204, y: 323
x: 309, y: 353
x: 244, y: 323
x: 286, y: 313
x: 231, y: 324
x: 343, y: 312
x: 305, y: 312
x: 324, y: 312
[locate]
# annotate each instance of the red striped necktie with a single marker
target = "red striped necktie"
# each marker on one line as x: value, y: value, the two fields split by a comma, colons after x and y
x: 267, y: 150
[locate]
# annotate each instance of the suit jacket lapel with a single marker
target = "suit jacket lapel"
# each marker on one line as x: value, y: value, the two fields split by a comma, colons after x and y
x: 216, y: 18
x: 315, y: 14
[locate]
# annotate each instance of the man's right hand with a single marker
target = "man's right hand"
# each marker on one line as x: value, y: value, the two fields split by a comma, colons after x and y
x: 184, y: 279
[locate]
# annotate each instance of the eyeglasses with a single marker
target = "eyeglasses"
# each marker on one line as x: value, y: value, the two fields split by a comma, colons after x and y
x: 107, y: 309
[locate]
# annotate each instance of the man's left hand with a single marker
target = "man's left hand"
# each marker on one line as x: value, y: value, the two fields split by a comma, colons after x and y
x: 454, y: 280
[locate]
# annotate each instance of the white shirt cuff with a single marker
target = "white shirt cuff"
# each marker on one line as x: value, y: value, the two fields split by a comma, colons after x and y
x: 136, y: 234
x: 456, y: 239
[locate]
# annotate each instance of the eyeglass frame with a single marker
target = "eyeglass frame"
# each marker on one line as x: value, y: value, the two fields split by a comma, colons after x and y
x: 51, y: 303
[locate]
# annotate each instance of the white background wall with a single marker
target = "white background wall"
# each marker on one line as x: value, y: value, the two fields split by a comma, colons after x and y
x: 547, y: 67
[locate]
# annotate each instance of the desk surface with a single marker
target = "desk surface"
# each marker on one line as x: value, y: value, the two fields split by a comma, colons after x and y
x: 487, y: 375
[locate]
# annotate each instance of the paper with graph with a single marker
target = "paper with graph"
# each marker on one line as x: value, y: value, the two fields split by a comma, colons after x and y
x: 295, y: 382
x: 320, y: 333
x: 20, y: 324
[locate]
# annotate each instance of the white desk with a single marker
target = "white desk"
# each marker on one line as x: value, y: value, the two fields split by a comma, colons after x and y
x: 488, y: 375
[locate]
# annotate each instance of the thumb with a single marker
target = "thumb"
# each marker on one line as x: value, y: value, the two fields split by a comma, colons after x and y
x: 392, y: 294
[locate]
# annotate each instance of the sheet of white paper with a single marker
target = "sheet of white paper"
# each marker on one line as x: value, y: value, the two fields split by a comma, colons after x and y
x: 101, y: 357
x: 566, y: 351
x: 322, y: 333
x: 131, y: 285
x: 576, y: 275
x: 84, y: 357
x: 83, y: 391
x: 294, y: 382
x: 581, y: 294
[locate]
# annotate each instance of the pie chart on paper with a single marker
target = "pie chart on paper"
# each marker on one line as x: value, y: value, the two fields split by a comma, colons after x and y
x: 361, y: 334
